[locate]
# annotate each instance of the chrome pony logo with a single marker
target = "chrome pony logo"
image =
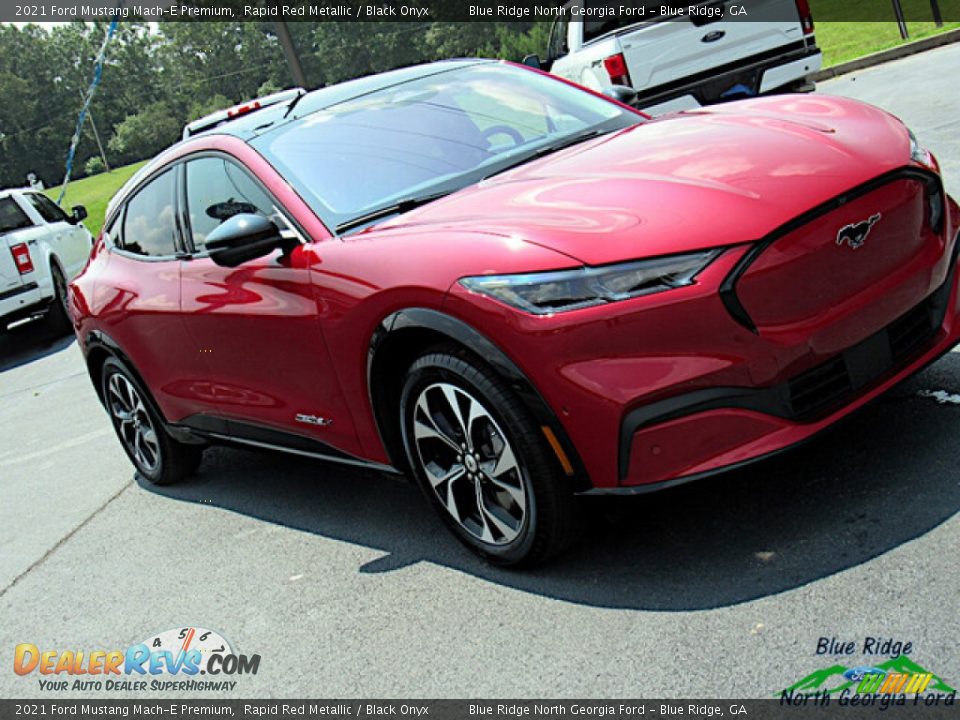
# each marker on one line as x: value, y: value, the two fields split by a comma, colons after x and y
x: 855, y: 234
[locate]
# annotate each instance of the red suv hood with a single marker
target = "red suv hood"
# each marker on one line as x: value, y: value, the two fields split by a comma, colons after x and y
x: 707, y: 178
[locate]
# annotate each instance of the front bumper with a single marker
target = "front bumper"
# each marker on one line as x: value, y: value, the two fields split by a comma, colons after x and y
x: 674, y: 385
x: 701, y: 433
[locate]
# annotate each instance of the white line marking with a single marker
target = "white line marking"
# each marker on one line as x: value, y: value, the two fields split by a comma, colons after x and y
x: 941, y: 396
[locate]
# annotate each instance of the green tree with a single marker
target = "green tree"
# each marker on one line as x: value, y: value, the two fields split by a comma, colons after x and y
x: 94, y: 166
x: 145, y: 133
x: 199, y: 108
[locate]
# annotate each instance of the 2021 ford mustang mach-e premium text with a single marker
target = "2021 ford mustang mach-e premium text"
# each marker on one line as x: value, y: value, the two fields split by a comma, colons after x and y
x: 514, y: 289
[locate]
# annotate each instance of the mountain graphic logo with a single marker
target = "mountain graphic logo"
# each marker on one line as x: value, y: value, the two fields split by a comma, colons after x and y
x: 874, y: 679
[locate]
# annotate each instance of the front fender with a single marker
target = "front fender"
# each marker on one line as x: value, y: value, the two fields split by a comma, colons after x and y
x: 389, y: 336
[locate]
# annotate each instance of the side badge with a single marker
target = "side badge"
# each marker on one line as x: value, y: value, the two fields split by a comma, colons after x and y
x: 313, y: 420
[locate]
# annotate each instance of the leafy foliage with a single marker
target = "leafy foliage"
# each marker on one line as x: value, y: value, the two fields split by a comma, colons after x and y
x: 94, y: 165
x: 146, y: 133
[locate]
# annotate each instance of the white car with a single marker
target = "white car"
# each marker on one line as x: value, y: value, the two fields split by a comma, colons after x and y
x: 709, y: 53
x: 41, y: 250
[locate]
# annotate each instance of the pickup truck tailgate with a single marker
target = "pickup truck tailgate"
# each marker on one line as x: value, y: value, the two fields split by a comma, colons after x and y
x: 668, y: 50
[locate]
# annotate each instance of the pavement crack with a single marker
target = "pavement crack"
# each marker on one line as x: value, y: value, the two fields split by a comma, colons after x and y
x: 37, y: 563
x: 20, y: 391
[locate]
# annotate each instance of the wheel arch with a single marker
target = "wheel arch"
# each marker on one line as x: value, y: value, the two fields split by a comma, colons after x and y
x: 51, y: 260
x: 100, y: 347
x: 406, y: 334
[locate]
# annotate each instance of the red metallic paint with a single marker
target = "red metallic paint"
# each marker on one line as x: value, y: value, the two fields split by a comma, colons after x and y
x: 263, y: 341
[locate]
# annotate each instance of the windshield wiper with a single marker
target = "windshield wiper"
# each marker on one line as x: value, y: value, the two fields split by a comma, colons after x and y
x: 401, y: 206
x: 549, y: 150
x: 293, y: 104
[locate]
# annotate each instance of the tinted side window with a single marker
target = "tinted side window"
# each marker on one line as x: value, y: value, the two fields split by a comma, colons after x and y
x: 11, y: 216
x: 46, y: 207
x: 149, y: 227
x: 218, y: 189
x: 557, y: 45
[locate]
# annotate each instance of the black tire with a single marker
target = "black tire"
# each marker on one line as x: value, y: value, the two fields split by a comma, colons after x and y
x: 58, y: 314
x: 521, y: 513
x: 158, y: 458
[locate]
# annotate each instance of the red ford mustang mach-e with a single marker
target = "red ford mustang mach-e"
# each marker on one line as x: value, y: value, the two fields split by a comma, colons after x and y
x: 516, y: 290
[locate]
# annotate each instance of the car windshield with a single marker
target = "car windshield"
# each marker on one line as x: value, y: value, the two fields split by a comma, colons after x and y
x: 429, y: 136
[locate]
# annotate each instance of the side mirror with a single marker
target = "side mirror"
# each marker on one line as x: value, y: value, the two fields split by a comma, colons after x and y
x: 77, y: 214
x: 532, y: 61
x: 243, y: 237
x: 621, y: 93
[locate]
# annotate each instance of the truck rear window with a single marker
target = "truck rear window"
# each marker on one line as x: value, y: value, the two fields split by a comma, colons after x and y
x: 612, y: 18
x: 11, y: 216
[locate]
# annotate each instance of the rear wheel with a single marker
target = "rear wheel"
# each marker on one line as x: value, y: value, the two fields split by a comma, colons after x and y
x: 58, y: 315
x: 157, y: 456
x: 482, y: 462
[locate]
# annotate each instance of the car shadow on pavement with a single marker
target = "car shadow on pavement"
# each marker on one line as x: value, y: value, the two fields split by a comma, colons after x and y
x: 30, y: 341
x: 881, y: 479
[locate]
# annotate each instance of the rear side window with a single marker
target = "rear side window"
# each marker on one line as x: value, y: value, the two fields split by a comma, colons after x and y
x: 46, y: 207
x: 11, y: 216
x: 557, y: 45
x: 218, y: 189
x: 149, y: 226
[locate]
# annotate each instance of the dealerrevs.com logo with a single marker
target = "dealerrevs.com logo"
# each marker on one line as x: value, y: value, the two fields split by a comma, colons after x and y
x: 167, y: 661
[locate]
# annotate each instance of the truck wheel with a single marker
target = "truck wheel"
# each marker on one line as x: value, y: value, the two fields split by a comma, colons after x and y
x: 58, y: 315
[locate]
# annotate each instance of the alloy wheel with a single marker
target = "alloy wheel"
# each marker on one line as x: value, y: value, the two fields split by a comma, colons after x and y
x: 134, y: 425
x: 470, y: 463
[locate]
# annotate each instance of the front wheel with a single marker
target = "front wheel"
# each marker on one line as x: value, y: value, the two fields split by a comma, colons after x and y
x: 482, y: 461
x: 157, y: 456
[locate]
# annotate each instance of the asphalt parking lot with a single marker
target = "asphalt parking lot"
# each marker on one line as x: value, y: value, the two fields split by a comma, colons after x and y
x: 347, y: 586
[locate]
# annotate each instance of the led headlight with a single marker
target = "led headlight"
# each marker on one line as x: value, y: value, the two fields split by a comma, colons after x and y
x: 917, y: 152
x: 561, y: 290
x: 934, y: 193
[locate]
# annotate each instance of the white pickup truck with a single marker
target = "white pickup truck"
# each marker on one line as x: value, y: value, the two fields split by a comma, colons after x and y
x: 41, y: 250
x: 678, y: 59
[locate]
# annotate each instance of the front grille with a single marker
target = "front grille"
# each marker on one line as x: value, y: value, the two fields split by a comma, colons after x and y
x: 819, y: 390
x: 910, y: 332
x: 820, y: 387
x: 831, y: 383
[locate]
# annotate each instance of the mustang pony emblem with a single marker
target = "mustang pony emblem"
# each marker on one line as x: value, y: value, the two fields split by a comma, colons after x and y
x: 855, y: 234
